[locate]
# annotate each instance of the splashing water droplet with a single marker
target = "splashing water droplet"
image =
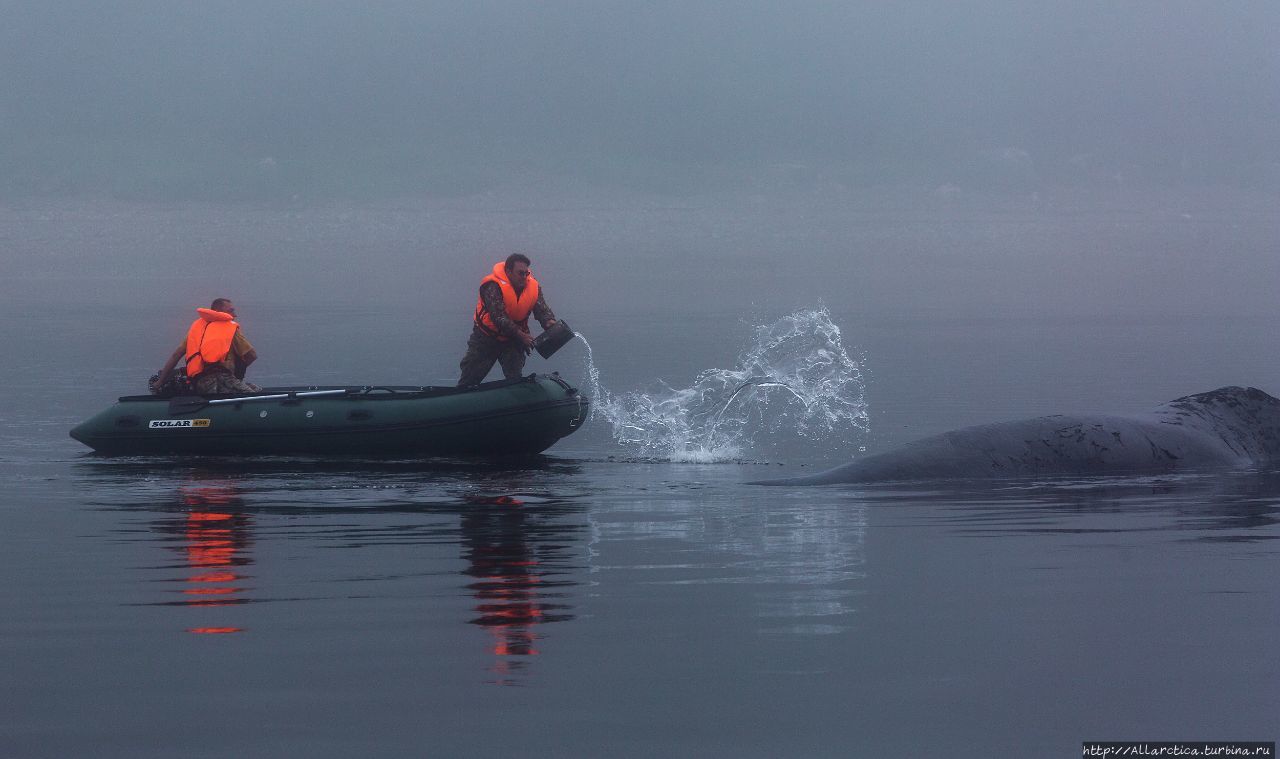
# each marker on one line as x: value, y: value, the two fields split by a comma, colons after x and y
x: 795, y: 387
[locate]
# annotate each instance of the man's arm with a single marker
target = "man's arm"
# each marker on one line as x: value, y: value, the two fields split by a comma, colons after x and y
x: 244, y: 353
x: 169, y: 364
x: 491, y: 294
x: 542, y: 312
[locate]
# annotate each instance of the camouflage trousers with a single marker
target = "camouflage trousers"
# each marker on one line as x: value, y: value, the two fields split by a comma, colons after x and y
x: 222, y: 383
x: 482, y: 351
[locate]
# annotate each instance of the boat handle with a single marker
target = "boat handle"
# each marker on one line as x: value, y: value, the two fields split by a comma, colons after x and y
x: 277, y: 397
x: 556, y: 378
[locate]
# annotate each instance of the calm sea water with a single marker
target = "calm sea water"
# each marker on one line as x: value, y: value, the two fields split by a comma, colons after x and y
x: 599, y: 600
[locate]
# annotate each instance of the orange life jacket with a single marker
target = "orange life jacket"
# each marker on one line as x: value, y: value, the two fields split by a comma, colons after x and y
x: 518, y: 307
x: 209, y: 339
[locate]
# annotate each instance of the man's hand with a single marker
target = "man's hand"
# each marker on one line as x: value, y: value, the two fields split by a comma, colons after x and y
x: 526, y: 341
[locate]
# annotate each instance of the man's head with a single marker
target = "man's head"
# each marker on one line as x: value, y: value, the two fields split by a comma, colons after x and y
x: 517, y: 268
x: 223, y: 305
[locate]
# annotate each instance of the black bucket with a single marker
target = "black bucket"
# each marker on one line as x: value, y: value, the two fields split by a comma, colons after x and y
x: 553, y: 339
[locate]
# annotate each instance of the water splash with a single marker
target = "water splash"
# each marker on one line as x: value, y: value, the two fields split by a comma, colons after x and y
x: 795, y: 387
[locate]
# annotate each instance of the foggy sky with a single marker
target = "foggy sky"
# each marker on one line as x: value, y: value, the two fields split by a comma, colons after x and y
x: 246, y: 99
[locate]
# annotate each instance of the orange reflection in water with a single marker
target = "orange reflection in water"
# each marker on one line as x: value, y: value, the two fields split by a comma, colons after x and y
x: 509, y: 584
x: 215, y: 538
x: 510, y: 611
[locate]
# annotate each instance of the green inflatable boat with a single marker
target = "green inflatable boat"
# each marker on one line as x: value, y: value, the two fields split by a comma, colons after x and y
x: 520, y: 416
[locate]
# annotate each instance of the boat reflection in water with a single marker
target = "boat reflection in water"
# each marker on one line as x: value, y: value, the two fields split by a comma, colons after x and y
x: 514, y: 575
x: 521, y: 542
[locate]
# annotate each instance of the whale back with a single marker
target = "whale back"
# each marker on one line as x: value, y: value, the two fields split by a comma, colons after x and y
x: 1230, y: 426
x: 1245, y: 419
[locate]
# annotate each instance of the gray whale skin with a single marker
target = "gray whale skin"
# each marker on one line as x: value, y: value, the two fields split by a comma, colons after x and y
x: 1227, y: 427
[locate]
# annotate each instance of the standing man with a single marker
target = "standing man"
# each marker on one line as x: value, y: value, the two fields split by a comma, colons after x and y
x: 217, y: 352
x: 501, y: 333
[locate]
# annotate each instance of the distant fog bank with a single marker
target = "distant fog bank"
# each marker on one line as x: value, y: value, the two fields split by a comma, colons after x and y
x: 311, y: 100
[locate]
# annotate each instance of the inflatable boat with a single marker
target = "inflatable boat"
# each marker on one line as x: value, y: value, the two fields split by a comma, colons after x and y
x: 520, y: 416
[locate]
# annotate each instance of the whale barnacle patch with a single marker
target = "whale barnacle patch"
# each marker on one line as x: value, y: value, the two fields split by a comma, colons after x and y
x: 175, y: 424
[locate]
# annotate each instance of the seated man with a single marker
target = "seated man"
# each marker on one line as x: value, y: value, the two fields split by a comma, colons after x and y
x: 216, y: 351
x: 500, y: 330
